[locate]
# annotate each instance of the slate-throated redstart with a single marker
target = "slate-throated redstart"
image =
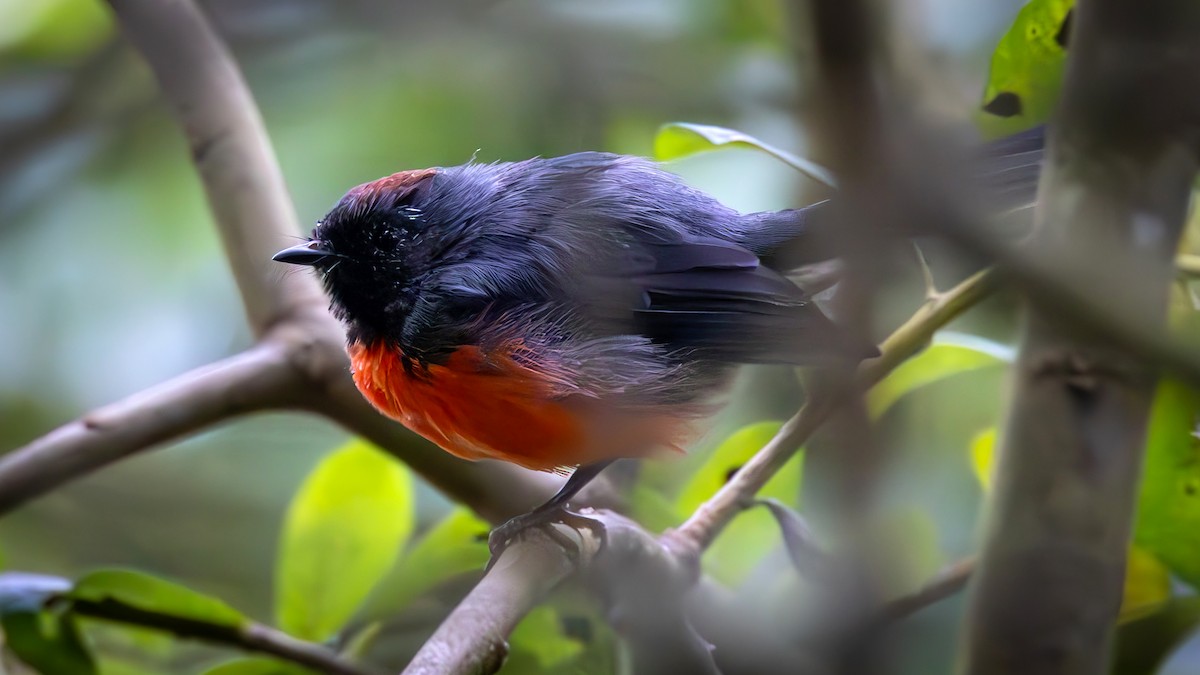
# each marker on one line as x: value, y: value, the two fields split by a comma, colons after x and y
x: 566, y: 312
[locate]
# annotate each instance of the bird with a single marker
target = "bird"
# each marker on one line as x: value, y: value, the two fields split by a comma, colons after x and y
x: 561, y: 313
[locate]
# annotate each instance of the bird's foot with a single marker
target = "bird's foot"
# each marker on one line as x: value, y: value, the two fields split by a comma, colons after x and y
x: 546, y: 520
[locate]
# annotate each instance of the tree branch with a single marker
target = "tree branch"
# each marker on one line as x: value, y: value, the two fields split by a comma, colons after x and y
x: 230, y: 148
x: 472, y: 640
x: 256, y: 379
x: 252, y: 636
x: 641, y: 581
x: 713, y: 515
x: 1121, y: 163
x: 943, y: 585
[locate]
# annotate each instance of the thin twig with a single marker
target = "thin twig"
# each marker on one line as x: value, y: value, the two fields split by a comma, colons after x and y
x: 251, y: 636
x: 944, y: 584
x: 713, y: 515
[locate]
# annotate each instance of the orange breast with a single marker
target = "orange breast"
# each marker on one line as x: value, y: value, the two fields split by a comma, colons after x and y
x: 495, y: 407
x: 475, y: 408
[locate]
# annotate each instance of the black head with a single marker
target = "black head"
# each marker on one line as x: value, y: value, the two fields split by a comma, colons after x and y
x: 368, y: 250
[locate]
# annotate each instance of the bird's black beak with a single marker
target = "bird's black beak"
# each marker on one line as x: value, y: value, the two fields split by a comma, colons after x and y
x: 308, y: 253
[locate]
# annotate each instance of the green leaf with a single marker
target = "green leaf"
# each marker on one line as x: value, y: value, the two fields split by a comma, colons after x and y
x: 541, y: 636
x: 559, y: 641
x: 59, y: 30
x: 151, y: 594
x: 1168, y: 514
x: 456, y: 545
x: 256, y: 666
x: 1027, y: 70
x: 983, y: 457
x: 48, y: 642
x: 754, y: 533
x: 342, y: 533
x: 1143, y: 645
x: 649, y: 506
x: 680, y: 139
x: 1147, y: 585
x: 950, y: 354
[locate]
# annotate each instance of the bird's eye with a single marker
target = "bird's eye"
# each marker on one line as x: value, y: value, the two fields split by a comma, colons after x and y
x: 388, y: 238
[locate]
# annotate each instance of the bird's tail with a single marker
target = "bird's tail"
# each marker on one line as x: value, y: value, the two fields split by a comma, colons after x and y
x: 1008, y: 172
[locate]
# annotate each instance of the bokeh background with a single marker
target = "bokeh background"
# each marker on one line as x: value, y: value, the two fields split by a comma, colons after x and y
x: 112, y: 279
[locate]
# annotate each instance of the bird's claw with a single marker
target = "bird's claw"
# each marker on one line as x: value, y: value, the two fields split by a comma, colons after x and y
x: 545, y: 520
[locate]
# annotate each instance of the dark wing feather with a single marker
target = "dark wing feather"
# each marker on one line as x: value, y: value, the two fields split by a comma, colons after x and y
x: 716, y: 298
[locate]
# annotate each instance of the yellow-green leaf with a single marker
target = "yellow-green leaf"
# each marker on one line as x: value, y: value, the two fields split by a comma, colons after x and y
x: 1147, y: 585
x: 151, y: 594
x: 456, y: 545
x: 680, y: 139
x: 1168, y: 514
x: 53, y: 29
x: 1027, y: 70
x: 753, y: 533
x: 951, y: 354
x: 541, y: 636
x: 983, y: 454
x: 342, y: 533
x: 256, y: 666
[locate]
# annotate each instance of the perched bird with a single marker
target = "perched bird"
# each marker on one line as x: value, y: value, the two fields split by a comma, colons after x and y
x: 565, y: 312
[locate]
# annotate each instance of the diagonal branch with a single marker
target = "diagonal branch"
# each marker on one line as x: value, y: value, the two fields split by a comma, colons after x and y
x: 256, y: 379
x: 230, y: 148
x: 251, y: 636
x: 473, y: 639
x: 275, y: 374
x: 713, y: 515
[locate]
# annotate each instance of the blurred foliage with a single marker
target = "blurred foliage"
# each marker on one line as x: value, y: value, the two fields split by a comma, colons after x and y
x: 682, y: 139
x: 108, y: 260
x: 741, y: 548
x: 343, y: 531
x: 1027, y: 69
x: 48, y: 642
x: 457, y: 545
x: 52, y: 30
x: 950, y: 354
x: 255, y: 667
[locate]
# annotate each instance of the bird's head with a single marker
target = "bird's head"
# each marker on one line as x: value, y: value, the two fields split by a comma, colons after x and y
x: 369, y: 249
